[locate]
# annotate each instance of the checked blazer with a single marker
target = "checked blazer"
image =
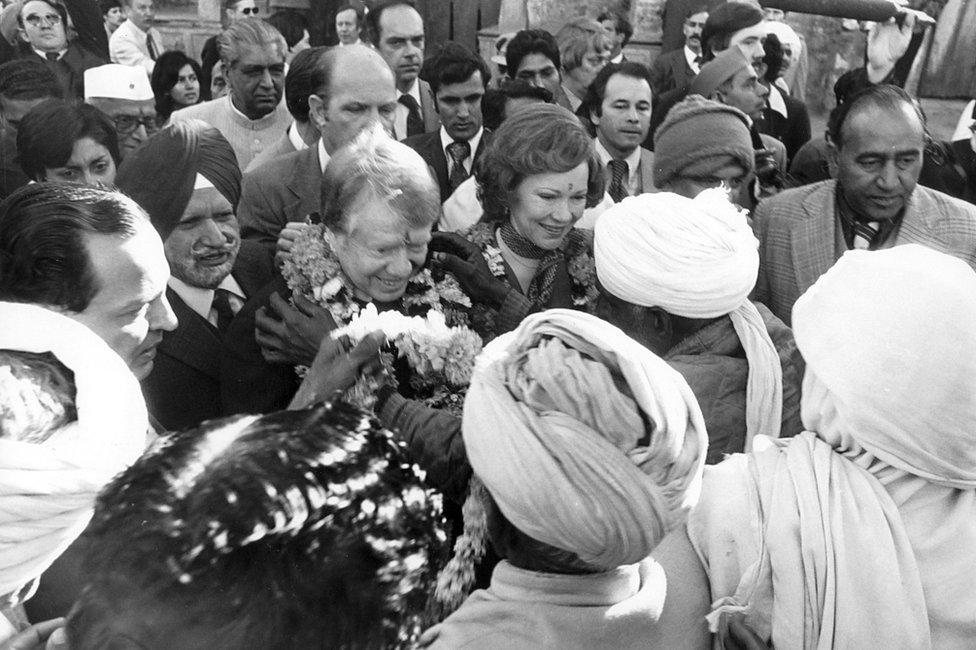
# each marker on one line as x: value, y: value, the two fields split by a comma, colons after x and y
x: 800, y: 237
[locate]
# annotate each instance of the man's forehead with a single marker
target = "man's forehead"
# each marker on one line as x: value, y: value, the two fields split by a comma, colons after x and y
x: 129, y: 268
x: 622, y: 84
x: 401, y: 21
x: 535, y: 61
x: 758, y: 30
x: 36, y: 6
x: 469, y: 86
x: 260, y: 53
x: 879, y: 126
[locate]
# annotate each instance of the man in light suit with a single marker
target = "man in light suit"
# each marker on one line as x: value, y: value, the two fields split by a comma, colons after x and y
x: 187, y: 179
x: 877, y: 143
x: 397, y: 32
x: 619, y: 106
x: 288, y: 189
x: 674, y: 70
x: 298, y: 86
x: 136, y: 42
x: 458, y: 77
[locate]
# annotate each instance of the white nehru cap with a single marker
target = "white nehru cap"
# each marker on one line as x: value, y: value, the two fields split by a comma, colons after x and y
x: 695, y: 258
x: 114, y: 81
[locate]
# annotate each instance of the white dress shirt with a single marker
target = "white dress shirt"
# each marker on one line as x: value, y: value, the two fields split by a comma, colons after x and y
x: 467, y: 162
x: 296, y: 138
x: 201, y: 300
x: 633, y: 167
x: 690, y: 57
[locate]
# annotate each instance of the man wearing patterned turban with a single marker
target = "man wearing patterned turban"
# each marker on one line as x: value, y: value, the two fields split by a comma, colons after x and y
x: 586, y: 448
x: 188, y: 180
x: 675, y: 273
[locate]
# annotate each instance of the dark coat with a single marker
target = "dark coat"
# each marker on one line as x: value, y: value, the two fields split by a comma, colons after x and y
x: 70, y: 68
x: 428, y: 145
x: 671, y: 71
x: 183, y: 388
x: 793, y: 130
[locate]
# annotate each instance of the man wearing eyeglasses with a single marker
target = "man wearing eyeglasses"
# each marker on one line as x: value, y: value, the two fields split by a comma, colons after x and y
x: 123, y: 93
x: 42, y: 27
x: 136, y: 42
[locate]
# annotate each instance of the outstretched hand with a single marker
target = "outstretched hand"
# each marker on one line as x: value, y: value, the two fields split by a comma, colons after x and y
x: 291, y: 334
x: 336, y: 368
x: 465, y: 261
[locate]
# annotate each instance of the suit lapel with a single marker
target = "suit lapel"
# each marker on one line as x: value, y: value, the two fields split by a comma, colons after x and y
x: 194, y: 342
x: 814, y: 236
x: 647, y: 171
x: 304, y: 182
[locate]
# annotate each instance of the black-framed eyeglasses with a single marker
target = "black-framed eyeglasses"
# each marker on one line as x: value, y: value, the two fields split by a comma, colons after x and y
x: 48, y: 20
x: 251, y: 11
x: 127, y: 124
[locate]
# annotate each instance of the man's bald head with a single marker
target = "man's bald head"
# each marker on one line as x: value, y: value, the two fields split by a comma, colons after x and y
x: 354, y: 88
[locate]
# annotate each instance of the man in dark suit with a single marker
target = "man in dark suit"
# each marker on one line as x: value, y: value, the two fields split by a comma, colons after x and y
x: 458, y: 78
x: 674, y: 70
x: 783, y: 117
x: 353, y: 90
x: 187, y: 179
x: 396, y: 30
x: 877, y: 140
x: 42, y: 26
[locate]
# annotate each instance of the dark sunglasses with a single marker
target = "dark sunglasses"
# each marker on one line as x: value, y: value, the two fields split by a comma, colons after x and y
x: 250, y: 11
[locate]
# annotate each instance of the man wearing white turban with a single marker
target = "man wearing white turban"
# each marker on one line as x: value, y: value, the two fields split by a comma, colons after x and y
x: 587, y: 449
x: 57, y: 450
x: 675, y: 273
x: 866, y: 522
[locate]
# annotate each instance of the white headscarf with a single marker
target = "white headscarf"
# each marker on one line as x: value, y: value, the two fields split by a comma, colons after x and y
x: 563, y: 451
x: 48, y: 490
x: 695, y: 258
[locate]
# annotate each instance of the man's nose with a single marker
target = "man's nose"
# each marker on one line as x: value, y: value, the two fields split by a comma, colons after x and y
x: 161, y: 315
x: 888, y: 177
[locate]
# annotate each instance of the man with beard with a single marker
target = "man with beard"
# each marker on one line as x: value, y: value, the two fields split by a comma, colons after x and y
x: 188, y: 181
x: 252, y: 115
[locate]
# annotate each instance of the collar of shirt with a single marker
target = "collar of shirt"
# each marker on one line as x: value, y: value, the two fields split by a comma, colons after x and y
x: 295, y: 138
x: 43, y: 55
x: 619, y: 58
x: 358, y: 41
x: 324, y: 156
x: 201, y: 300
x: 474, y: 142
x: 690, y: 57
x: 776, y: 102
x: 633, y: 164
x: 400, y: 115
x: 259, y: 124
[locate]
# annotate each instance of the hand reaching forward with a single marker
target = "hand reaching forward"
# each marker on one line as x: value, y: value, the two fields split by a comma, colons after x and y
x: 291, y: 335
x: 457, y: 255
x: 336, y: 368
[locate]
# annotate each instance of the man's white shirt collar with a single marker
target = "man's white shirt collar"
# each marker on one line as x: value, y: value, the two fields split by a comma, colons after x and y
x: 633, y: 161
x: 201, y: 300
x: 776, y: 101
x: 690, y: 57
x: 43, y: 55
x: 474, y: 142
x: 358, y: 41
x: 324, y: 156
x: 296, y: 138
x: 619, y: 58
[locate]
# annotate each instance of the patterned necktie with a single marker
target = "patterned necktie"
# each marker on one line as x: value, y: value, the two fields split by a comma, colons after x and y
x: 539, y: 291
x: 226, y: 305
x: 151, y: 46
x: 415, y: 122
x: 619, y: 171
x: 865, y: 232
x: 459, y: 152
x: 52, y: 56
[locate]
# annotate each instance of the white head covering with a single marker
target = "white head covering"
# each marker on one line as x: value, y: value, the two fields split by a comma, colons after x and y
x: 48, y: 490
x: 786, y: 35
x: 116, y: 81
x: 566, y: 455
x: 695, y: 258
x: 890, y: 335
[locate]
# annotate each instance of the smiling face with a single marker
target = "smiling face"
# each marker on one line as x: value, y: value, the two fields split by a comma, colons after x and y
x: 401, y: 43
x: 459, y: 106
x: 545, y: 206
x: 186, y: 92
x: 203, y: 247
x: 378, y: 250
x: 257, y: 79
x: 625, y: 115
x: 879, y: 160
x: 130, y: 311
x: 90, y: 164
x: 43, y: 27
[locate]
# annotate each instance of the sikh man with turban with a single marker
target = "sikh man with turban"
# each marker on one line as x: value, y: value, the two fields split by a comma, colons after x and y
x: 675, y: 274
x: 587, y: 448
x: 188, y: 180
x: 71, y: 417
x: 865, y: 522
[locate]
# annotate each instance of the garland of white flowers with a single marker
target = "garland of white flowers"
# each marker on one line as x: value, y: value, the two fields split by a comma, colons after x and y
x: 439, y: 347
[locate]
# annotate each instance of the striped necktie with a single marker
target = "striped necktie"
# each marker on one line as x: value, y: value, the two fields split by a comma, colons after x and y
x: 619, y: 171
x: 459, y: 152
x: 865, y: 233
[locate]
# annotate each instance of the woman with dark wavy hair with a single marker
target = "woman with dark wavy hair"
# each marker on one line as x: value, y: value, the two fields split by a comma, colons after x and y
x: 175, y: 83
x: 537, y: 176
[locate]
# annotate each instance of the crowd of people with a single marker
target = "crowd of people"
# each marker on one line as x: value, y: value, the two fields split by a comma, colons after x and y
x: 364, y: 346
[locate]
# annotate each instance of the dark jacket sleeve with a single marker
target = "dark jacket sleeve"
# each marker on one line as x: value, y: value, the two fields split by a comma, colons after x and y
x: 89, y: 26
x: 435, y: 443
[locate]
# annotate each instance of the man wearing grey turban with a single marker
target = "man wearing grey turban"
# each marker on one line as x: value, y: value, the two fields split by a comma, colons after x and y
x: 586, y: 448
x: 675, y: 273
x: 188, y: 180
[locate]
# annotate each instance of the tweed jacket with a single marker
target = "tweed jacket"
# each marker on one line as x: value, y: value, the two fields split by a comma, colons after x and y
x: 800, y: 237
x: 282, y: 190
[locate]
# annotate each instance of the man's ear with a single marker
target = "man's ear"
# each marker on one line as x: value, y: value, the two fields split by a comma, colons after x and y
x: 23, y: 35
x: 316, y: 110
x: 594, y: 118
x: 833, y: 153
